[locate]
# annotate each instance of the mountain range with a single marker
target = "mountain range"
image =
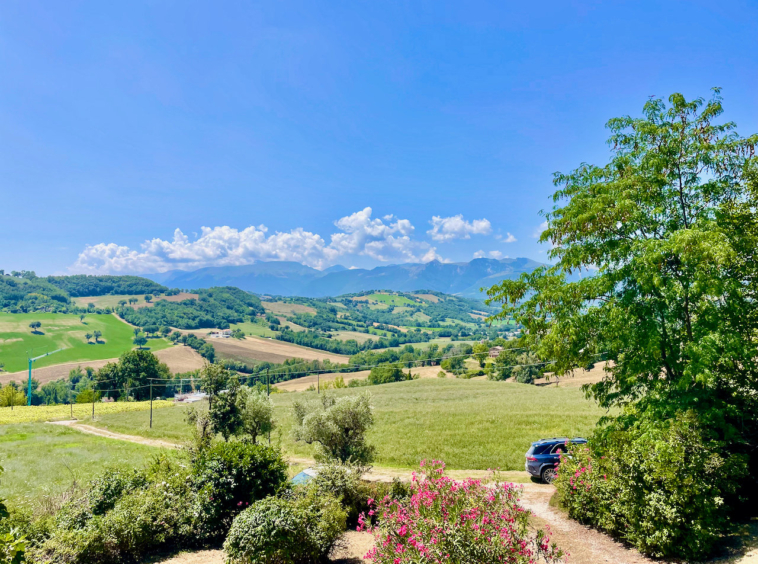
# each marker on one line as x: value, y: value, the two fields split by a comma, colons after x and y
x: 284, y: 278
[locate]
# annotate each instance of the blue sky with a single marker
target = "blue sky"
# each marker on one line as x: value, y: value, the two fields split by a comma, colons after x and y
x: 326, y: 132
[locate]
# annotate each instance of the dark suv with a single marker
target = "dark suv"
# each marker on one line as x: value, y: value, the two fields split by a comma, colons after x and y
x: 543, y: 456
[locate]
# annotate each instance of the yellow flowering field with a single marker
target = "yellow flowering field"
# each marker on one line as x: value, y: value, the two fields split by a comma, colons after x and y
x: 35, y: 413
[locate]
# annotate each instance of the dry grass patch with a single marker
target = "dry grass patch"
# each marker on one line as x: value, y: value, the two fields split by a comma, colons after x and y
x: 283, y: 308
x: 428, y: 297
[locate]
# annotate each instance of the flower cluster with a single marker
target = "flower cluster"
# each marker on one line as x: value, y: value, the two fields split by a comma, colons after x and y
x: 455, y: 521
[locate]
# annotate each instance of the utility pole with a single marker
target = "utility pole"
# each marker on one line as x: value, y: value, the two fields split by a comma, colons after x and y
x: 31, y: 360
x: 151, y: 404
x: 268, y: 384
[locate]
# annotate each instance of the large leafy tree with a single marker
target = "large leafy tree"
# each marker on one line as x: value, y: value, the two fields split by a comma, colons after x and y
x: 656, y: 270
x: 135, y: 373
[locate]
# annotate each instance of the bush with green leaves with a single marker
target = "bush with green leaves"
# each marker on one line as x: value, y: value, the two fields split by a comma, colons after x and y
x: 228, y: 478
x: 301, y: 528
x: 12, y: 543
x: 663, y: 487
x: 337, y: 426
x: 122, y: 517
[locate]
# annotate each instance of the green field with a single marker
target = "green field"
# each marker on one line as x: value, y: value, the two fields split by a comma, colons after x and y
x: 66, y: 331
x: 257, y: 329
x: 389, y: 299
x: 42, y: 459
x: 470, y: 424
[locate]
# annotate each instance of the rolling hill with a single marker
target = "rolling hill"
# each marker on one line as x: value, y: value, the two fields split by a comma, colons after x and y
x: 285, y: 278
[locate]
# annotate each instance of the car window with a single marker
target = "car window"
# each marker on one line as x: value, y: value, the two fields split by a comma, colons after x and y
x: 558, y: 449
x: 530, y: 451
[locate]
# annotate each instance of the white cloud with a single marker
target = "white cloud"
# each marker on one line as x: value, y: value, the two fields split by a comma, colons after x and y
x: 448, y: 228
x: 387, y: 239
x: 540, y: 228
x: 492, y: 254
x: 507, y: 238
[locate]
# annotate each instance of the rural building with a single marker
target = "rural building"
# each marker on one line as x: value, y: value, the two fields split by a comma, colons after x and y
x: 495, y: 351
x: 225, y: 334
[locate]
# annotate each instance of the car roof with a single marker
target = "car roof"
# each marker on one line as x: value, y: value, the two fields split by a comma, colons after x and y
x: 556, y: 440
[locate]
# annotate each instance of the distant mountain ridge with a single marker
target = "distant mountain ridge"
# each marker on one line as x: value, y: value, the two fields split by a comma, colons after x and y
x: 285, y: 278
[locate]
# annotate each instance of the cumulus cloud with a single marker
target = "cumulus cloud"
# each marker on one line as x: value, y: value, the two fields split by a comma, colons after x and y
x: 540, y: 228
x: 492, y: 254
x: 507, y: 238
x: 386, y: 239
x: 449, y: 228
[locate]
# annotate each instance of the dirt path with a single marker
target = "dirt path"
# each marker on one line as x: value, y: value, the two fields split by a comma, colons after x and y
x: 583, y: 544
x: 90, y: 430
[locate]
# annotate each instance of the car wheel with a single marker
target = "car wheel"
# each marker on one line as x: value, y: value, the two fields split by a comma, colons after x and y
x: 549, y: 474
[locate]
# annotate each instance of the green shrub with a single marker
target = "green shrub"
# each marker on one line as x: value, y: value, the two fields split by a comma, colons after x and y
x: 228, y: 477
x: 659, y: 486
x: 301, y: 529
x: 123, y: 517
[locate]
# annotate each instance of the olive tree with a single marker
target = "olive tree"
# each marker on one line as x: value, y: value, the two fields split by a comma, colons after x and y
x: 256, y: 412
x: 337, y: 426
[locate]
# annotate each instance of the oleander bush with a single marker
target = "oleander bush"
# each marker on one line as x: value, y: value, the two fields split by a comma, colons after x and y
x: 445, y: 520
x: 664, y: 487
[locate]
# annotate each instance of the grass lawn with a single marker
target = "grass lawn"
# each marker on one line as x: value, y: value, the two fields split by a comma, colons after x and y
x: 257, y: 329
x: 470, y: 424
x: 42, y: 459
x: 390, y: 299
x: 66, y: 331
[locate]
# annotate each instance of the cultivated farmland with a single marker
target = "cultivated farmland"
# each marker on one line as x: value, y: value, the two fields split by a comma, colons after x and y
x: 60, y: 330
x: 251, y: 349
x: 285, y: 308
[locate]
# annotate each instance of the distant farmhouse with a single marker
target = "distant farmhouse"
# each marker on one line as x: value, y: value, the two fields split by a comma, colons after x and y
x: 225, y: 334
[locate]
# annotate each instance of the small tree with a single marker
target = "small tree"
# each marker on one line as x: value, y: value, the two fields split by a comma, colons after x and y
x: 215, y: 378
x: 165, y: 331
x: 481, y: 352
x: 35, y: 325
x: 140, y: 341
x: 148, y: 298
x: 136, y: 331
x: 256, y: 412
x: 81, y: 317
x: 150, y: 329
x: 97, y: 334
x: 337, y: 426
x: 88, y: 336
x: 224, y: 412
x: 122, y: 303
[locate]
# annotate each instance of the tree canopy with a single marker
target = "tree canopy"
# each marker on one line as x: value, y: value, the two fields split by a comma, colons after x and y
x: 663, y: 239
